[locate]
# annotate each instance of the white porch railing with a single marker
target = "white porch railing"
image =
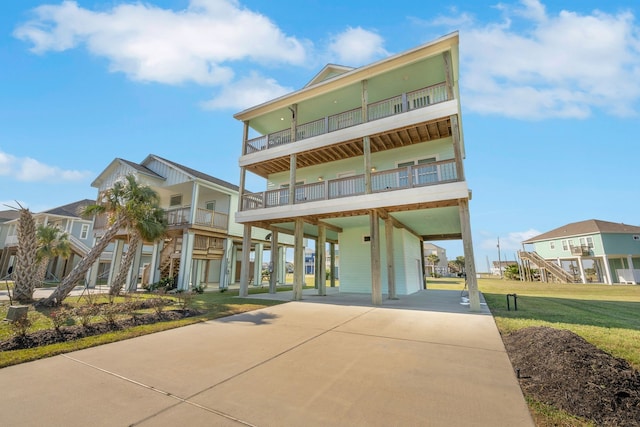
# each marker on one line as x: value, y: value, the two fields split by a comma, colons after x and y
x: 204, y: 217
x: 377, y: 110
x: 388, y: 180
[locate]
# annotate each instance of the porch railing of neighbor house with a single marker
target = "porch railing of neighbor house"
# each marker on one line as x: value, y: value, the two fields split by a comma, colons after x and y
x: 205, y: 243
x: 433, y: 173
x: 204, y: 217
x: 401, y: 103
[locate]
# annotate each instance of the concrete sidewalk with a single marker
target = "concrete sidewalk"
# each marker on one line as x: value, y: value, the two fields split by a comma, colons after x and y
x: 323, y: 361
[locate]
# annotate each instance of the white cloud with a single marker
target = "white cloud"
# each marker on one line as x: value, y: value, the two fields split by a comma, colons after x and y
x: 511, y: 242
x: 148, y: 43
x: 246, y: 92
x: 536, y: 65
x: 357, y: 46
x: 27, y: 169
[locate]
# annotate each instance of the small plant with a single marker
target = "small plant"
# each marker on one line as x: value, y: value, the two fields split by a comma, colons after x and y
x: 59, y: 318
x: 199, y: 289
x: 110, y: 312
x: 163, y: 285
x: 86, y: 313
x: 158, y: 305
x: 20, y: 326
x: 185, y: 298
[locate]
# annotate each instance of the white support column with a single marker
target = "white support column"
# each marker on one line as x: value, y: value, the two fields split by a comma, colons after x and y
x: 116, y: 259
x: 132, y: 277
x: 321, y: 255
x: 186, y: 257
x: 376, y: 285
x: 246, y: 260
x: 154, y: 267
x: 257, y: 264
x: 332, y: 256
x: 631, y: 272
x: 226, y: 264
x: 607, y: 269
x: 391, y: 276
x: 93, y: 274
x: 469, y: 260
x: 195, y: 195
x: 275, y: 263
x: 298, y: 260
x: 583, y: 277
x: 282, y: 270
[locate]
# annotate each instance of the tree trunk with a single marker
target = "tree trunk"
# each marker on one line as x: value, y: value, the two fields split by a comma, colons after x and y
x: 25, y: 274
x: 69, y: 282
x: 121, y: 277
x: 41, y: 273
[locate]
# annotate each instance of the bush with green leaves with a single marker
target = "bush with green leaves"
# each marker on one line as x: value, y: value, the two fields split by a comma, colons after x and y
x: 20, y: 326
x: 162, y: 286
x: 60, y: 317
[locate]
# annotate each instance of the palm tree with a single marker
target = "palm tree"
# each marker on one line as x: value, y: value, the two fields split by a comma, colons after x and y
x: 433, y: 259
x: 51, y: 243
x: 146, y: 222
x: 124, y: 205
x: 25, y: 269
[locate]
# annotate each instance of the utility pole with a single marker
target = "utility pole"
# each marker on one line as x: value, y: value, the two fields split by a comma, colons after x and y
x: 499, y: 260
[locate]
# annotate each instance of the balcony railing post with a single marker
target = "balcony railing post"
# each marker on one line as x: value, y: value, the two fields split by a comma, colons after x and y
x: 405, y: 104
x: 326, y: 190
x: 410, y: 171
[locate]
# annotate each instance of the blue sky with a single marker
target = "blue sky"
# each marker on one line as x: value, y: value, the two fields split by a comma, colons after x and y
x: 550, y: 94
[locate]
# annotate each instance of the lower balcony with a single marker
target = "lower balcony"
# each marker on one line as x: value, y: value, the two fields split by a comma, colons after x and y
x: 381, y: 181
x: 204, y: 218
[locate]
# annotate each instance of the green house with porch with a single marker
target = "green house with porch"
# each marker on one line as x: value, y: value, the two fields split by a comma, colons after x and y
x: 591, y: 251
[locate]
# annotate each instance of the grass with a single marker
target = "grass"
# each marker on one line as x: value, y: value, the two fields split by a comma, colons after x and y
x: 606, y: 316
x: 213, y: 305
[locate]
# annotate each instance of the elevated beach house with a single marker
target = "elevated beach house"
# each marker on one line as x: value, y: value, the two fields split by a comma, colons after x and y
x: 65, y: 218
x: 591, y: 251
x: 370, y: 158
x: 202, y: 243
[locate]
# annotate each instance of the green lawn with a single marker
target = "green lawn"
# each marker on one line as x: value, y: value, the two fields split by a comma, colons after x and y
x: 606, y: 316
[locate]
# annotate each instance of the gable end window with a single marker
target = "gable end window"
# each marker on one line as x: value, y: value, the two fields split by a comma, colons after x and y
x: 84, y: 233
x: 175, y: 200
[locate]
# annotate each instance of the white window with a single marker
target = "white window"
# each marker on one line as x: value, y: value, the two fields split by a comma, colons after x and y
x: 175, y: 200
x: 552, y: 245
x: 590, y: 242
x: 564, y: 245
x: 84, y: 233
x: 211, y: 206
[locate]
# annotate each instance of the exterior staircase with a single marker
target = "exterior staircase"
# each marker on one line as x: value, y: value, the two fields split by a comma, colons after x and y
x: 170, y: 258
x: 552, y: 268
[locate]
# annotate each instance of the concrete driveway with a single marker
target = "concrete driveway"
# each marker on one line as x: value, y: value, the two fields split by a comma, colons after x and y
x: 423, y: 360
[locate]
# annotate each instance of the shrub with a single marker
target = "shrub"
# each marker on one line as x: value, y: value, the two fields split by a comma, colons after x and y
x: 158, y: 305
x: 60, y: 317
x: 21, y: 325
x: 185, y: 298
x: 110, y: 312
x: 163, y: 285
x: 86, y: 313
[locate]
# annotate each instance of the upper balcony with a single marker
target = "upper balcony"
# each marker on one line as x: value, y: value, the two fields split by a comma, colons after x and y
x: 415, y: 176
x: 398, y: 104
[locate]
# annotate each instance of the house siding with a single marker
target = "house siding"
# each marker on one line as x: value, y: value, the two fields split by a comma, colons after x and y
x: 621, y: 244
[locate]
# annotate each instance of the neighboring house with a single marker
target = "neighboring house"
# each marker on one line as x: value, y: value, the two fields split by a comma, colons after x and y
x: 370, y: 157
x: 442, y: 266
x: 68, y: 220
x: 5, y: 229
x: 202, y: 240
x: 587, y: 251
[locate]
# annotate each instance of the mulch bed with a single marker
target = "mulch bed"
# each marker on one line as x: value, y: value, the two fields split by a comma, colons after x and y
x: 70, y: 333
x: 561, y: 369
